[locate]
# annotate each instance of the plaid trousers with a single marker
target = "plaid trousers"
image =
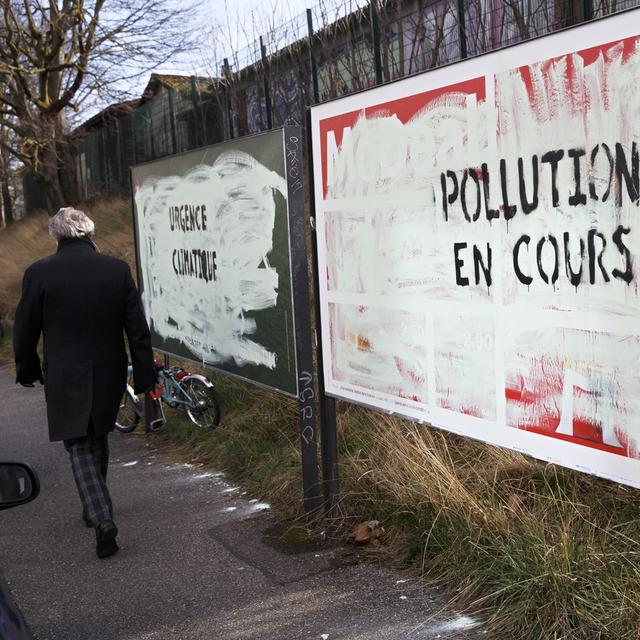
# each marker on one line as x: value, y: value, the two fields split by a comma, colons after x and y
x: 89, y: 462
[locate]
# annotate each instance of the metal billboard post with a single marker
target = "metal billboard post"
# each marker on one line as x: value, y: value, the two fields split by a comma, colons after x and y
x: 172, y: 121
x: 328, y: 424
x: 304, y: 351
x: 196, y: 105
x: 462, y: 30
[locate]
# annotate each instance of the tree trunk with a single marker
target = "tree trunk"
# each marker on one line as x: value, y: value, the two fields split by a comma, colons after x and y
x: 48, y: 179
x: 51, y: 192
x: 7, y: 204
x: 47, y: 161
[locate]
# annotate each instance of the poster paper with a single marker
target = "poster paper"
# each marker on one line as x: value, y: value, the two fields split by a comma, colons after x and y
x: 479, y: 247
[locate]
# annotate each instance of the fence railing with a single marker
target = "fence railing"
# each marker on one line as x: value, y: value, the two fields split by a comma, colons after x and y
x: 331, y: 50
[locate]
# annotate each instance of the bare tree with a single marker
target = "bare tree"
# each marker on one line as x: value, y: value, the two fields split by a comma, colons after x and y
x: 54, y: 55
x: 6, y: 174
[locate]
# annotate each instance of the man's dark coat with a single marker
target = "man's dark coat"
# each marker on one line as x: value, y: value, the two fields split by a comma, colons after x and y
x: 81, y: 301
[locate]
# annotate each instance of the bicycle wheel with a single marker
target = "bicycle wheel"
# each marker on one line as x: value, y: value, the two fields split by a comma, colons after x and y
x: 203, y: 408
x: 128, y: 413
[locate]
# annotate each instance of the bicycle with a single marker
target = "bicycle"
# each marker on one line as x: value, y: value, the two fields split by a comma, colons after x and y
x: 176, y: 387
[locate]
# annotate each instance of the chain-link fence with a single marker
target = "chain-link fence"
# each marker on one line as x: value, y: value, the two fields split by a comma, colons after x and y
x: 331, y: 50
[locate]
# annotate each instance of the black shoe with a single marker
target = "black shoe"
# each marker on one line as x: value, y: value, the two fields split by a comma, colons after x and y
x: 106, y: 544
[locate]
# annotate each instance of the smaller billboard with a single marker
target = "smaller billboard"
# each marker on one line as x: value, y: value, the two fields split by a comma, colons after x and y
x: 212, y: 237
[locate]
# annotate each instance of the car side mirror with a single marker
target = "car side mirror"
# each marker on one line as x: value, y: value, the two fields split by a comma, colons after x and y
x: 18, y: 484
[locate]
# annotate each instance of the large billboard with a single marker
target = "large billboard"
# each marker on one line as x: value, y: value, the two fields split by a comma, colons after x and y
x: 212, y: 231
x: 478, y: 247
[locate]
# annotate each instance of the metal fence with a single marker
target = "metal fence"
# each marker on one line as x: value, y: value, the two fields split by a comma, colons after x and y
x: 329, y: 51
x: 178, y: 118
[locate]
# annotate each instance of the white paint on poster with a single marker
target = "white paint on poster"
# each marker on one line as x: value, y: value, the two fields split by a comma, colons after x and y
x: 513, y: 349
x: 380, y: 350
x: 210, y: 316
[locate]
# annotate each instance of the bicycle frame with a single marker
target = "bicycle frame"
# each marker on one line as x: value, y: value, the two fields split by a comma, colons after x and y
x: 168, y: 387
x: 173, y: 389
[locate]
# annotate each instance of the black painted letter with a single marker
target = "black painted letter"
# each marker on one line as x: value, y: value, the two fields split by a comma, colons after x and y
x: 592, y: 187
x: 528, y: 207
x: 459, y: 263
x: 509, y: 209
x: 578, y: 197
x: 592, y: 256
x: 478, y: 264
x: 631, y: 180
x: 627, y: 274
x: 556, y: 268
x: 491, y: 213
x: 451, y: 198
x: 516, y: 254
x: 553, y: 157
x: 463, y: 194
x: 574, y: 277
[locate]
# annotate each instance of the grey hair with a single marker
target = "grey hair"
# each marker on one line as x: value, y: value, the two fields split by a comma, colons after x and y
x: 71, y: 223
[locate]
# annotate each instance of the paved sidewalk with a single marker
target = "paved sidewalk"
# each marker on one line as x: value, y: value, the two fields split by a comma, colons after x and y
x: 193, y: 564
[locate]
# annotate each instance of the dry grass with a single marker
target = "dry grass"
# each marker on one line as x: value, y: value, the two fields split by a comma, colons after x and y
x: 543, y: 552
x: 538, y: 551
x: 27, y: 240
x: 20, y: 245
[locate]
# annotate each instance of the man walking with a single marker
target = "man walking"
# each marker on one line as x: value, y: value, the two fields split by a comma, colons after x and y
x: 81, y: 302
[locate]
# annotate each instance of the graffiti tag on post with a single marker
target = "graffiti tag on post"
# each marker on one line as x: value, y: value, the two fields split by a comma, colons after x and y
x: 307, y: 397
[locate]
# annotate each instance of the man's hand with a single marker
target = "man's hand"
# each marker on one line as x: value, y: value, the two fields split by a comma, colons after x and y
x: 29, y: 381
x: 28, y: 371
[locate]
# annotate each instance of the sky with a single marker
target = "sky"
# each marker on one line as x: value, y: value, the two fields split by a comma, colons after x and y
x: 229, y: 26
x: 225, y: 27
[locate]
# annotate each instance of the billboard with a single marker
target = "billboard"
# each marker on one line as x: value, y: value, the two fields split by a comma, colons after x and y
x: 212, y: 233
x: 478, y: 247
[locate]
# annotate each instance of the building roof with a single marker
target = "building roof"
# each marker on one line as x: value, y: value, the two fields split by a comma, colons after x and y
x: 157, y: 80
x: 178, y: 83
x: 113, y: 111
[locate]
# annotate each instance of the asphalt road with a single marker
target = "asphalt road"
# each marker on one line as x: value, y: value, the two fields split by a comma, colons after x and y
x: 192, y: 565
